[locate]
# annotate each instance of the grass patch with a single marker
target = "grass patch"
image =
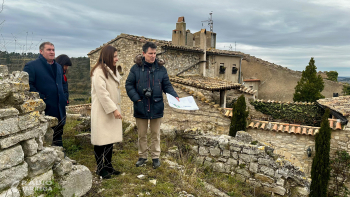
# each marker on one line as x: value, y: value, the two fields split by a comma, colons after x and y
x: 169, y: 181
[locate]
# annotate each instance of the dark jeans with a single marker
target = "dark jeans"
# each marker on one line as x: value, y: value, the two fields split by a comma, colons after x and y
x: 57, y: 135
x: 103, y: 156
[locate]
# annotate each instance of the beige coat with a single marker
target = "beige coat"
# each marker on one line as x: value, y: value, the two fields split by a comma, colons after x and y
x: 105, y: 99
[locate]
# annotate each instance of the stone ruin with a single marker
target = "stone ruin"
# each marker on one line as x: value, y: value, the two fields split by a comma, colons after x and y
x: 27, y: 161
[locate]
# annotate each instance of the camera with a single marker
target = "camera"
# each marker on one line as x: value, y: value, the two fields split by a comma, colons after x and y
x: 147, y: 92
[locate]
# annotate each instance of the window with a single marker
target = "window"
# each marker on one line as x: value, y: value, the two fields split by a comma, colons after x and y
x: 222, y: 68
x: 120, y: 70
x: 234, y: 69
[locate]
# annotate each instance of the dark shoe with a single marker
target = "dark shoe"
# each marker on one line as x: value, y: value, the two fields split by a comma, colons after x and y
x: 112, y: 171
x: 104, y: 174
x: 140, y: 162
x: 156, y: 163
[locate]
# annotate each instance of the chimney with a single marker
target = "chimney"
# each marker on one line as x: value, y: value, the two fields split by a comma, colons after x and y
x: 179, y: 34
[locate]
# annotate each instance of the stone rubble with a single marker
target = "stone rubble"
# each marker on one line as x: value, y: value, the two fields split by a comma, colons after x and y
x: 26, y: 158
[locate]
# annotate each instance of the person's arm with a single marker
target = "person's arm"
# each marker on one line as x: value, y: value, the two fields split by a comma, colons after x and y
x: 167, y: 87
x: 65, y: 88
x: 31, y: 74
x: 102, y: 94
x: 130, y: 86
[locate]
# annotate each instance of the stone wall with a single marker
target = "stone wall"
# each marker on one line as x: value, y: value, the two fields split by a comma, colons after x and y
x: 277, y: 82
x: 294, y: 146
x: 253, y: 164
x: 26, y: 161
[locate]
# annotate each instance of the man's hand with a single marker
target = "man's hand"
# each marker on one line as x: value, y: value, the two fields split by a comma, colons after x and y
x: 177, y: 98
x: 117, y: 115
x: 138, y: 100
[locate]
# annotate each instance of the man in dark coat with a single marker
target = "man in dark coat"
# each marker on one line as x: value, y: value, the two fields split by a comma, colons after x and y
x: 46, y: 78
x: 146, y: 82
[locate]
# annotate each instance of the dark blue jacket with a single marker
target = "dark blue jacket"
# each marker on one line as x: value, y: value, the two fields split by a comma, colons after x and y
x: 51, y: 88
x: 157, y: 80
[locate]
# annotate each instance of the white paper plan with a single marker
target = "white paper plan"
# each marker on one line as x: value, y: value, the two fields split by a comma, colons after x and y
x: 186, y: 103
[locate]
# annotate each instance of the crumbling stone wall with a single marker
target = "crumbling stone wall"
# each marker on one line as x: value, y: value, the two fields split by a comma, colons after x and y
x: 295, y: 145
x: 26, y: 161
x: 253, y: 164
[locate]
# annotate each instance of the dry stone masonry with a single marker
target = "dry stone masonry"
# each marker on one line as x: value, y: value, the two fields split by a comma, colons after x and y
x: 26, y: 161
x: 254, y: 164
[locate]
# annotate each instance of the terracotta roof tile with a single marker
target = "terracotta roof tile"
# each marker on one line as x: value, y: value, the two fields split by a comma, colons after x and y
x: 340, y: 104
x: 251, y: 80
x: 288, y: 128
x: 206, y: 83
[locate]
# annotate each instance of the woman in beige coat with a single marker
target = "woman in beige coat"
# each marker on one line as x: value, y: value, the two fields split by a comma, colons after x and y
x: 106, y: 119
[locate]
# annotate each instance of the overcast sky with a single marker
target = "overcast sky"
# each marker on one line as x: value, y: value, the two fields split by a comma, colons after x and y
x: 287, y: 33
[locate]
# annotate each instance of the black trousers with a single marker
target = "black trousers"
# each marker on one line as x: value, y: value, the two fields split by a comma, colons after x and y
x: 57, y: 135
x: 103, y: 156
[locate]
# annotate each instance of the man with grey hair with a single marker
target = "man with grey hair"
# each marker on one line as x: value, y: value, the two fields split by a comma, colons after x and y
x: 46, y: 78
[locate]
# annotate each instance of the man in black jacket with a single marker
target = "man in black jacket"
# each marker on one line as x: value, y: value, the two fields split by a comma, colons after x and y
x: 146, y: 82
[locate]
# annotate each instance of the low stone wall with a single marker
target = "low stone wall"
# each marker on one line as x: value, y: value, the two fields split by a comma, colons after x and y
x: 294, y: 146
x: 26, y: 163
x: 254, y: 164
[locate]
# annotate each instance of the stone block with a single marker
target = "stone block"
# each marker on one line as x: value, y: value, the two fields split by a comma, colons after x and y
x: 78, y: 182
x: 9, y: 126
x: 253, y: 182
x: 226, y: 153
x: 264, y: 178
x: 4, y: 71
x: 12, y: 192
x: 221, y: 159
x: 194, y: 149
x: 232, y: 162
x: 5, y: 90
x: 15, y: 139
x: 63, y: 167
x: 234, y: 155
x: 19, y: 87
x: 48, y: 137
x: 83, y: 139
x: 277, y: 190
x: 248, y: 158
x: 53, y: 121
x: 280, y: 182
x: 30, y: 147
x: 13, y: 175
x: 168, y: 130
x: 59, y: 151
x: 243, y: 172
x: 203, y: 151
x: 253, y: 167
x: 41, y: 182
x: 301, y: 191
x: 11, y: 157
x: 199, y: 160
x: 20, y: 77
x: 39, y: 141
x: 268, y: 171
x: 215, y: 152
x: 252, y: 150
x: 283, y: 171
x: 240, y: 177
x: 244, y: 137
x: 29, y: 120
x: 219, y: 167
x: 41, y: 162
x: 266, y: 162
x: 33, y: 105
x: 8, y: 112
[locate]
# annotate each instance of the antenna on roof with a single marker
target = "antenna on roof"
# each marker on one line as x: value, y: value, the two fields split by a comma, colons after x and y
x: 229, y: 47
x: 210, y: 21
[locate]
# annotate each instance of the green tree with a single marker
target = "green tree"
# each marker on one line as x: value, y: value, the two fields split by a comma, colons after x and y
x: 310, y: 86
x: 239, y: 116
x: 346, y: 89
x: 332, y: 75
x: 320, y: 171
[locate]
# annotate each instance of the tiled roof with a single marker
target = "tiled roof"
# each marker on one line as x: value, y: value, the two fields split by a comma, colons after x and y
x: 168, y: 44
x: 224, y: 52
x: 247, y: 90
x: 288, y: 102
x: 206, y: 83
x: 339, y: 104
x: 251, y: 80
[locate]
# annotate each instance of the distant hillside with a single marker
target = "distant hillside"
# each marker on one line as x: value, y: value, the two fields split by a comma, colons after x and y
x: 344, y: 79
x: 78, y: 75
